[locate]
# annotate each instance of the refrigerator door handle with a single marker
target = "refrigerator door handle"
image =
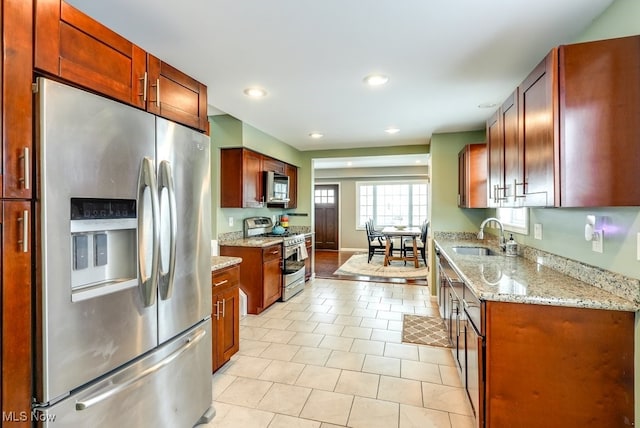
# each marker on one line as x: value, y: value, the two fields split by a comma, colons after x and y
x: 148, y: 282
x: 115, y: 389
x: 166, y: 182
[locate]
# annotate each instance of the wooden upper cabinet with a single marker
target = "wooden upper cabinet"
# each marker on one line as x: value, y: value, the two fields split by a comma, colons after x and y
x: 538, y: 134
x: 599, y: 103
x: 512, y: 154
x: 472, y: 176
x: 270, y: 164
x: 495, y: 161
x: 292, y: 172
x: 240, y: 179
x: 577, y: 140
x: 176, y: 96
x: 16, y: 150
x: 76, y: 48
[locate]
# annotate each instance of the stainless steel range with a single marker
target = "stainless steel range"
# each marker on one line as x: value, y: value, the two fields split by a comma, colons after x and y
x: 293, y: 249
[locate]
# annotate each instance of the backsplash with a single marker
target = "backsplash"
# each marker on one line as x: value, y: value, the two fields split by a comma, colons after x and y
x: 230, y: 236
x: 614, y: 283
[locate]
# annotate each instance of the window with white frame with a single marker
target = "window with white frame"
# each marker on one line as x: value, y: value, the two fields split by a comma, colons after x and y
x: 514, y: 219
x: 391, y: 203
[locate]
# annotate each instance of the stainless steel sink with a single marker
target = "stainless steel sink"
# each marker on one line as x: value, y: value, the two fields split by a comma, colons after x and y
x: 474, y: 251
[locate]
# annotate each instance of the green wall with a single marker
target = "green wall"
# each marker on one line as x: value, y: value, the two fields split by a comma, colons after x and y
x: 445, y: 214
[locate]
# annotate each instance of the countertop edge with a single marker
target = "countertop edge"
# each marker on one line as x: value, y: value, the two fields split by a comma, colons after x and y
x: 221, y: 262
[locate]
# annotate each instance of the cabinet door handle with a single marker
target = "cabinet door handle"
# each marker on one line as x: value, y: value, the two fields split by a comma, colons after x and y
x: 215, y: 284
x: 217, y: 314
x: 144, y: 87
x: 27, y: 169
x: 157, y: 86
x: 224, y: 307
x: 24, y: 242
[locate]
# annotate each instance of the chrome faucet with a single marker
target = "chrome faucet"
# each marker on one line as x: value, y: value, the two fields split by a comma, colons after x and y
x: 501, y: 241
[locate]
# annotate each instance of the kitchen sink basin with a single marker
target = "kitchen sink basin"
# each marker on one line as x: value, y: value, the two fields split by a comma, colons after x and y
x: 474, y: 251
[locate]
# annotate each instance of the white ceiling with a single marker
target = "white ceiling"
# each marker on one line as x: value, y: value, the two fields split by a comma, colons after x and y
x: 372, y: 161
x: 443, y: 58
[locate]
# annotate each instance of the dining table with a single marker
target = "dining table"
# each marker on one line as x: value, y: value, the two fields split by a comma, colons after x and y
x: 391, y: 232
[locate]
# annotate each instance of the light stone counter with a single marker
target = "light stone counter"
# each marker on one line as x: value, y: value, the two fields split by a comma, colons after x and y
x: 260, y: 241
x: 520, y: 280
x: 220, y: 262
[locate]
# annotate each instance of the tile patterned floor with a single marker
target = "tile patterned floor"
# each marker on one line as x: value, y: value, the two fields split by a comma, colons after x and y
x: 332, y: 356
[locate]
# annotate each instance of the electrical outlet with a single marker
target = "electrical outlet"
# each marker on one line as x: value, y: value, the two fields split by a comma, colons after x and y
x: 638, y: 250
x: 597, y: 245
x: 230, y: 221
x: 537, y: 231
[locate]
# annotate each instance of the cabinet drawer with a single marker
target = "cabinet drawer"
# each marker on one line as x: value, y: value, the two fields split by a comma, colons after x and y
x: 225, y: 277
x: 271, y: 253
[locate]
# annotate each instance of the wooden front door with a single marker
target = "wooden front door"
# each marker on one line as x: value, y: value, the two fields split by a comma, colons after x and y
x: 325, y: 197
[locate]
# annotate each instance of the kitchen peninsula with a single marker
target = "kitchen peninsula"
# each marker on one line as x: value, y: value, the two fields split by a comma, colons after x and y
x: 549, y: 349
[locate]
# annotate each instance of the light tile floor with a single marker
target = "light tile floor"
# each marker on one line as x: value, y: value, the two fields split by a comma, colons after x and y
x: 333, y: 356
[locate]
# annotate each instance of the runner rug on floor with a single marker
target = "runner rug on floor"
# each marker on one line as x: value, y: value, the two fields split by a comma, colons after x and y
x: 357, y: 265
x: 424, y: 330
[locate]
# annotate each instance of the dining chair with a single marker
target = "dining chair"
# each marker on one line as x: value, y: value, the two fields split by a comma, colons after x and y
x: 376, y: 240
x: 421, y: 243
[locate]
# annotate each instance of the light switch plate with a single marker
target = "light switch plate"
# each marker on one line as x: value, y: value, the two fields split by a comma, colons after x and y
x: 537, y: 231
x: 597, y: 245
x: 230, y: 221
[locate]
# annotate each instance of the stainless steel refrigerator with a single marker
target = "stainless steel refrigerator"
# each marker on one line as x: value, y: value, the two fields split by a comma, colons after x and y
x: 124, y: 293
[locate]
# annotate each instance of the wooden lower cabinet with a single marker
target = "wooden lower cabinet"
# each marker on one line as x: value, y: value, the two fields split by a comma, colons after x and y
x: 261, y: 274
x: 225, y: 314
x: 556, y: 366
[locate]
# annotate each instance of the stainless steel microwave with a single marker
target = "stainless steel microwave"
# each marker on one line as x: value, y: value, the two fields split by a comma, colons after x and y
x: 276, y: 187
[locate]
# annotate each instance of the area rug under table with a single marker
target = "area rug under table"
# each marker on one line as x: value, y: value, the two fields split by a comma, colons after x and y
x: 357, y: 265
x: 424, y: 330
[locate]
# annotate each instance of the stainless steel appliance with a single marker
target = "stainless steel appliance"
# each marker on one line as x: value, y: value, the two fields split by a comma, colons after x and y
x: 276, y: 187
x: 124, y: 319
x: 293, y: 249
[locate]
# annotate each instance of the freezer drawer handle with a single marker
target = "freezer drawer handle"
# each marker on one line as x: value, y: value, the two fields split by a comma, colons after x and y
x: 120, y: 387
x: 148, y: 283
x: 167, y: 278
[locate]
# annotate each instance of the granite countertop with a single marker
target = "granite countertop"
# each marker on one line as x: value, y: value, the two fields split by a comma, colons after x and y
x: 519, y: 280
x: 261, y: 241
x: 220, y: 262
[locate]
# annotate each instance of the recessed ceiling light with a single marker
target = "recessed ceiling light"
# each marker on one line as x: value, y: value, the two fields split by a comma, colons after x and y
x: 392, y: 130
x: 255, y: 92
x: 376, y: 79
x: 487, y: 105
x: 316, y: 135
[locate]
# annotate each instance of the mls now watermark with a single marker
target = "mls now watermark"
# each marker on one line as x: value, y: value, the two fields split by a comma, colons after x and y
x: 33, y: 416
